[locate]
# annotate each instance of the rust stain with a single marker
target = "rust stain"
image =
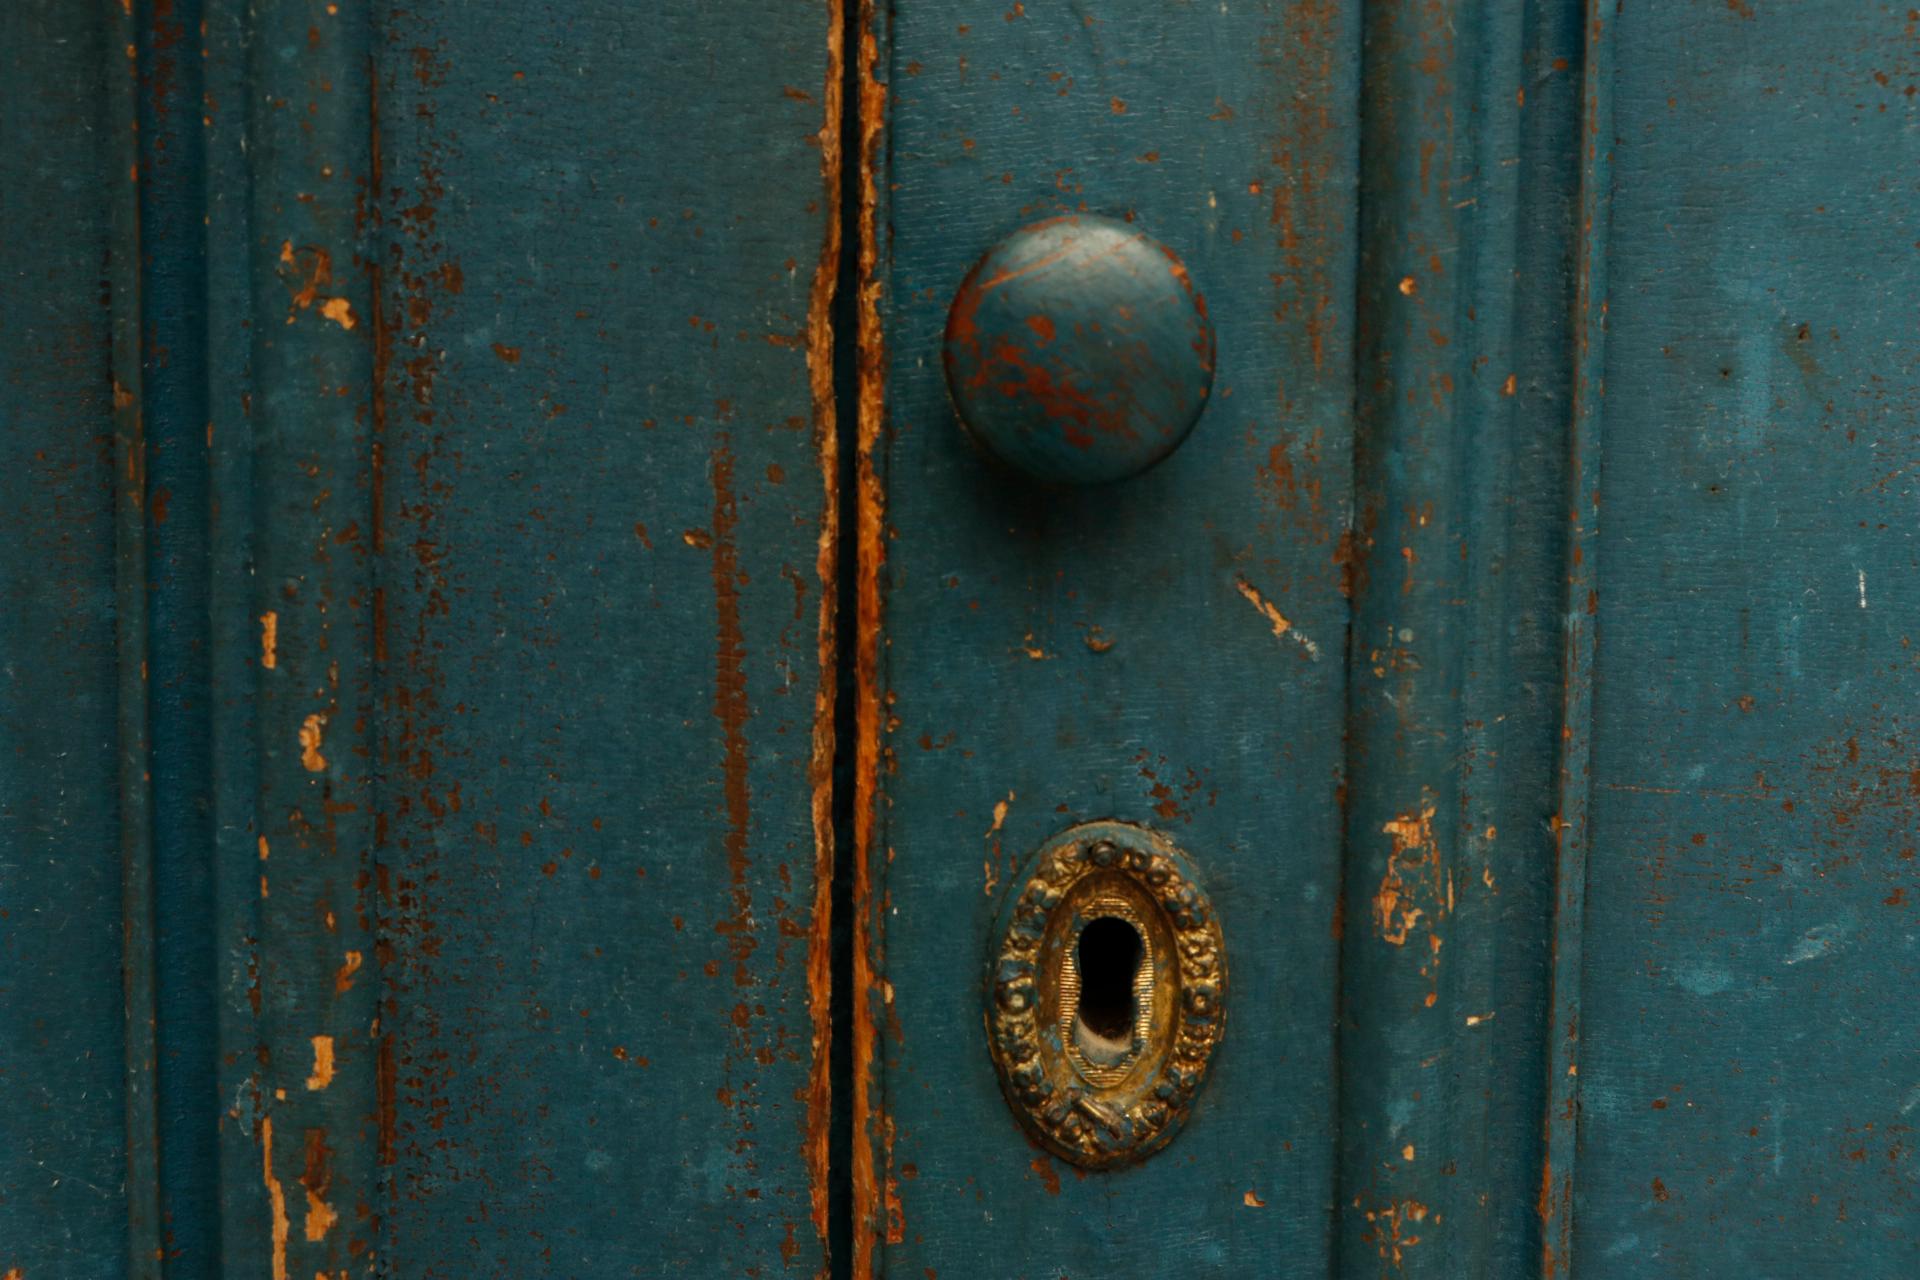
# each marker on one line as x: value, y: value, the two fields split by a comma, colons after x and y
x: 870, y: 551
x: 1300, y: 211
x: 817, y: 1125
x: 509, y: 354
x: 269, y: 639
x: 730, y: 707
x: 322, y: 1074
x: 310, y: 734
x: 1049, y: 1176
x: 315, y: 1179
x: 343, y: 976
x: 386, y: 1094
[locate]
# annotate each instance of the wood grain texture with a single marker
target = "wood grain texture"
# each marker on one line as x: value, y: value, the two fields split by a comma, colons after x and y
x: 1166, y: 651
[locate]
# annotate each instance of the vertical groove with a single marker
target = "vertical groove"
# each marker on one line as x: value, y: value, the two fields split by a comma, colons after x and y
x: 1399, y: 1212
x: 826, y: 949
x: 174, y: 410
x: 844, y: 324
x: 1579, y: 610
x: 859, y: 374
x: 130, y: 546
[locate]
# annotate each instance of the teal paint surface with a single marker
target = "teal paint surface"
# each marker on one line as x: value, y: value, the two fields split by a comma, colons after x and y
x: 1563, y: 414
x: 64, y: 1194
x: 1120, y: 652
x: 1747, y: 1062
x: 367, y: 910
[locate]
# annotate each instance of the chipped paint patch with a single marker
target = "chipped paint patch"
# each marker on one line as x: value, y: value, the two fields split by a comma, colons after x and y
x: 279, y: 1225
x: 269, y: 639
x: 338, y: 310
x: 322, y: 1074
x: 1415, y: 888
x: 311, y: 730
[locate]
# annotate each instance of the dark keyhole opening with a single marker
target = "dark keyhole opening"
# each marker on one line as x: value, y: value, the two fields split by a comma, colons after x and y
x: 1108, y: 957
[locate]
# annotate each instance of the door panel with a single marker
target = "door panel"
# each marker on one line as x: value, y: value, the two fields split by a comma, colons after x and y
x: 462, y: 575
x: 434, y: 678
x: 606, y: 459
x: 1746, y: 1064
x: 1166, y: 651
x: 64, y: 1167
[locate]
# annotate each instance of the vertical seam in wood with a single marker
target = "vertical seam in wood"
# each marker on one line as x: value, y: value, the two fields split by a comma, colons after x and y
x: 866, y: 1086
x: 1579, y: 620
x: 130, y: 625
x: 821, y: 356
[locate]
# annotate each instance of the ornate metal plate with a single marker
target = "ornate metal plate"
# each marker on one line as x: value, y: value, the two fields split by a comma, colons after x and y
x: 1106, y: 993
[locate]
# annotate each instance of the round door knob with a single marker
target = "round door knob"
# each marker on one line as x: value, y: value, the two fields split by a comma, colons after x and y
x: 1077, y: 351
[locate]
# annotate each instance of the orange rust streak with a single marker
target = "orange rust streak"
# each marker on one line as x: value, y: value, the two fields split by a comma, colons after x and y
x: 826, y: 570
x: 730, y: 707
x: 315, y: 1179
x: 870, y: 550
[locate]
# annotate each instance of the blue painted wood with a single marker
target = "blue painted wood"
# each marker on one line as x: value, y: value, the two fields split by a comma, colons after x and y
x: 367, y: 909
x: 421, y: 561
x: 1166, y: 650
x: 1747, y: 1063
x: 1467, y: 288
x: 65, y: 1195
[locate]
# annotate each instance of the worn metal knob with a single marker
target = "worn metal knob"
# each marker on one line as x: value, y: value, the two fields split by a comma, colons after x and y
x: 1078, y: 352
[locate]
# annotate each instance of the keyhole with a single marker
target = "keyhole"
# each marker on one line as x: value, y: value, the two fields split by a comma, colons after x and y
x: 1108, y: 957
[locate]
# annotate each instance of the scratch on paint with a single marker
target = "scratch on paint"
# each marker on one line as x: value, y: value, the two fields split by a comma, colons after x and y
x: 1282, y: 626
x: 322, y: 1064
x: 310, y: 743
x: 1000, y: 814
x: 990, y: 862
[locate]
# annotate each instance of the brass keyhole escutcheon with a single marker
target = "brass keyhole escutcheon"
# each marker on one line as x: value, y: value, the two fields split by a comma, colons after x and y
x: 1105, y: 995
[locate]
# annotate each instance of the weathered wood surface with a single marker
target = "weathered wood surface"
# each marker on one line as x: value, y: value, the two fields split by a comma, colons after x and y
x: 419, y: 585
x: 1167, y: 651
x: 417, y: 640
x: 1748, y: 1061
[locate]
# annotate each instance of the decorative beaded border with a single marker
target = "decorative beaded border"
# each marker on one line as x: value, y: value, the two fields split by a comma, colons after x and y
x: 1077, y: 1120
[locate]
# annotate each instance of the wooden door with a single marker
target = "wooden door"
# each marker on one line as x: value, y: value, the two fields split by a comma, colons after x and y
x: 525, y: 720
